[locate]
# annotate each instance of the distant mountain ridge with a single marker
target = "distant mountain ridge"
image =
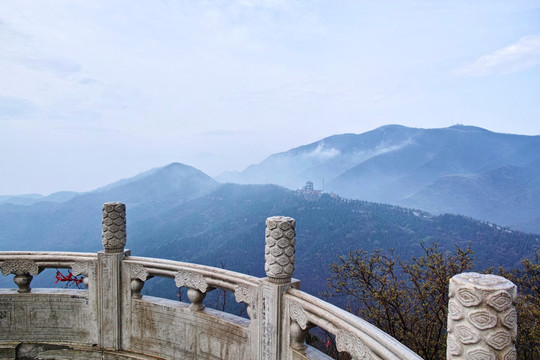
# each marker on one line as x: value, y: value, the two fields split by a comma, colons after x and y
x: 29, y: 199
x: 178, y: 212
x: 429, y: 169
x: 461, y: 169
x: 75, y: 224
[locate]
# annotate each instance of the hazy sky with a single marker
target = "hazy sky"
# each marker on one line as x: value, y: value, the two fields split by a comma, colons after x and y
x: 94, y: 91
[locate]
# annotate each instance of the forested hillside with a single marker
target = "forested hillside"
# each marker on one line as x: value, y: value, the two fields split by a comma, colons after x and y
x: 227, y: 227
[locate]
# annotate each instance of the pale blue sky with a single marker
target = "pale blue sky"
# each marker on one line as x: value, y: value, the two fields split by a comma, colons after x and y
x: 95, y: 91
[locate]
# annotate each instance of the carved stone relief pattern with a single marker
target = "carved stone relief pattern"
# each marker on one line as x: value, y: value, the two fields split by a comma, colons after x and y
x: 19, y: 267
x: 80, y: 268
x: 350, y: 343
x: 267, y: 330
x: 280, y: 247
x: 243, y: 293
x: 138, y: 271
x: 47, y: 317
x: 114, y: 227
x: 299, y: 315
x: 482, y: 321
x: 22, y: 268
x: 246, y: 294
x: 191, y: 280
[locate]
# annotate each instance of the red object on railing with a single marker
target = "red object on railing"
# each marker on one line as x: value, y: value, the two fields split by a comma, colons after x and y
x: 68, y: 278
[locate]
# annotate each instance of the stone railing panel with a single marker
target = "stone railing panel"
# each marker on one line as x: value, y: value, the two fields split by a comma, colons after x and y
x: 56, y: 315
x: 170, y: 329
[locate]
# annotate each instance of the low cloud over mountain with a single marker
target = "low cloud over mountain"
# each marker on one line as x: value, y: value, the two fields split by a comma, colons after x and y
x: 460, y: 169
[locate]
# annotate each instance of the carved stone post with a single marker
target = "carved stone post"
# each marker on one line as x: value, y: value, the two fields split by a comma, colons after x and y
x: 279, y: 248
x: 482, y: 320
x: 113, y: 236
x: 279, y: 267
x: 109, y: 275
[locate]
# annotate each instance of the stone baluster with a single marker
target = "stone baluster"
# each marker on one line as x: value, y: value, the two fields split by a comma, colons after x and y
x: 23, y: 270
x: 482, y: 320
x: 138, y: 276
x: 197, y: 287
x: 109, y: 275
x: 136, y: 287
x: 196, y: 298
x: 298, y: 337
x: 279, y: 266
x: 299, y: 328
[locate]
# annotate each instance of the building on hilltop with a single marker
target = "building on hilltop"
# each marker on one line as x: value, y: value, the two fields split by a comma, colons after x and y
x: 309, y: 192
x: 308, y: 188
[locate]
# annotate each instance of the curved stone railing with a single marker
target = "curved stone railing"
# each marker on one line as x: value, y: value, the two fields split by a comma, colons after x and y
x: 212, y: 334
x: 196, y: 277
x: 112, y: 318
x: 353, y: 335
x: 25, y: 264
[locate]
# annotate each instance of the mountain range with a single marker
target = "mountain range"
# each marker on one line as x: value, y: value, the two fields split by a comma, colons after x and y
x: 461, y: 169
x: 178, y: 212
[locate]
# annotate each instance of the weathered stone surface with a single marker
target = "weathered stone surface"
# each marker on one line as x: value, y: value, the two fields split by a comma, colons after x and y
x: 346, y: 341
x: 243, y: 293
x: 298, y: 315
x: 139, y: 272
x: 23, y: 270
x: 247, y: 295
x: 114, y: 227
x: 55, y: 315
x: 454, y: 346
x: 84, y: 269
x: 191, y: 279
x: 455, y: 310
x: 45, y: 351
x: 466, y: 334
x: 169, y: 329
x: 280, y: 248
x: 109, y: 300
x: 19, y: 267
x: 8, y: 350
x: 482, y: 319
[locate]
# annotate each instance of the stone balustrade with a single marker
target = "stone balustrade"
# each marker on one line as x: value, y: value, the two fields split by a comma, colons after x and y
x: 111, y: 319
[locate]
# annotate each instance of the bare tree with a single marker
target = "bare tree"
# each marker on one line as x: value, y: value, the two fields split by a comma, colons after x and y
x: 528, y: 306
x: 405, y: 298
